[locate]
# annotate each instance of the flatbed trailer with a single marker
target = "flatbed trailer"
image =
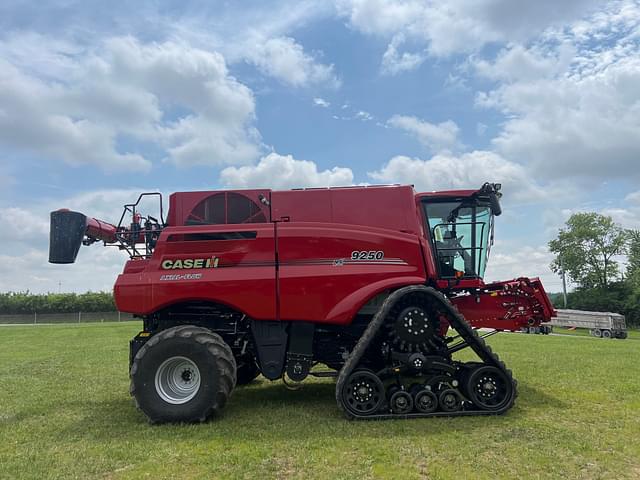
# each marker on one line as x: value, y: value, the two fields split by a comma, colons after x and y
x: 599, y: 324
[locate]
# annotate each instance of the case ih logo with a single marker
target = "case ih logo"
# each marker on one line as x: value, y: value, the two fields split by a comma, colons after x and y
x: 179, y: 264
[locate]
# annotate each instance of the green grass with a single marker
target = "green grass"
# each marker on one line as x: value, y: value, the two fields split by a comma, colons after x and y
x: 585, y: 332
x: 65, y: 412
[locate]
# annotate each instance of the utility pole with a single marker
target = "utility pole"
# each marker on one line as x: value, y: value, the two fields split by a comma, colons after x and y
x: 564, y: 285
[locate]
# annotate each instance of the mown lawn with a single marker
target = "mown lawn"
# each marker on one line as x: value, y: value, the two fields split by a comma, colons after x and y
x: 585, y: 332
x: 65, y: 412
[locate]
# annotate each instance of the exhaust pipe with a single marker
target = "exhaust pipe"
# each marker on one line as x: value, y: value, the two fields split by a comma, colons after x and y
x: 66, y: 234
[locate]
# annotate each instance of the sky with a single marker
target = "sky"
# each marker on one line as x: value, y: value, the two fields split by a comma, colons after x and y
x: 102, y: 100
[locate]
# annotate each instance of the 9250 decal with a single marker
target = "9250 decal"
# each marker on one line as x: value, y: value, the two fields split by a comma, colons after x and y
x: 367, y: 255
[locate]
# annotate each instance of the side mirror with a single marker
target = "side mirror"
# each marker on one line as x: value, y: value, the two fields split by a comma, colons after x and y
x: 493, y: 190
x: 494, y: 201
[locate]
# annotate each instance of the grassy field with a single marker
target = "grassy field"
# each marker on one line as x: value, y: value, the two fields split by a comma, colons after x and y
x: 584, y: 332
x: 65, y: 412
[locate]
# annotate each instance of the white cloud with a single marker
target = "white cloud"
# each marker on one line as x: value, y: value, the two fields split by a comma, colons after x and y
x: 437, y: 137
x: 470, y: 170
x: 177, y: 98
x: 394, y: 62
x: 363, y: 115
x: 321, y: 102
x: 284, y: 171
x: 572, y: 100
x: 573, y: 125
x: 628, y: 217
x: 517, y: 62
x: 19, y: 224
x: 30, y: 120
x: 459, y: 25
x: 510, y: 260
x: 285, y: 59
x: 633, y: 197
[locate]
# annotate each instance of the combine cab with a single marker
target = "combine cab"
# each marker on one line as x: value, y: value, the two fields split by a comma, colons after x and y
x: 381, y: 285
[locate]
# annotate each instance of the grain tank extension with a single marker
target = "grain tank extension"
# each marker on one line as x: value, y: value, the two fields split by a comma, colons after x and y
x: 376, y: 286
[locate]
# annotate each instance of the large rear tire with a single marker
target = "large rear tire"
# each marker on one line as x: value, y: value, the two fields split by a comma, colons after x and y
x: 183, y: 374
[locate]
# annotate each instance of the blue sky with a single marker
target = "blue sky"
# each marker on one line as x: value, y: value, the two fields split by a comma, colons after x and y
x: 99, y: 102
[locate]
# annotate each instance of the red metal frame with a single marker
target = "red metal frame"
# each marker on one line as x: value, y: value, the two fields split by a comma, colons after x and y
x: 298, y: 265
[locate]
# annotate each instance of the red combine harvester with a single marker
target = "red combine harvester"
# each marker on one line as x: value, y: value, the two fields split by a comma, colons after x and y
x: 379, y: 284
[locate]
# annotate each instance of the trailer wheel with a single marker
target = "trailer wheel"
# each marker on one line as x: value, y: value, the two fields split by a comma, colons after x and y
x: 183, y: 374
x: 606, y: 333
x: 596, y: 333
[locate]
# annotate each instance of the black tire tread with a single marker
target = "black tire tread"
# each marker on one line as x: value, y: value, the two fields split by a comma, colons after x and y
x: 457, y: 322
x: 218, y: 349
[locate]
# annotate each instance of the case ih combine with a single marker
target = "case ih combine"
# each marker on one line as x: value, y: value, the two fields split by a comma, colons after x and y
x: 379, y: 284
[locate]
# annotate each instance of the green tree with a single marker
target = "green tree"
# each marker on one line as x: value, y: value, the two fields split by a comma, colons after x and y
x: 26, y: 302
x: 586, y: 247
x: 633, y: 260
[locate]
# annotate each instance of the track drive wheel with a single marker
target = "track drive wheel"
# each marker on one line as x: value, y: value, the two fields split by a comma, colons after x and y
x: 182, y: 374
x: 413, y: 326
x: 363, y: 393
x: 488, y: 388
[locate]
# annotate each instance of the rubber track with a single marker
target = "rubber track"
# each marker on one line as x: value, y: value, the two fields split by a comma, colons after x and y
x: 456, y: 321
x: 217, y: 348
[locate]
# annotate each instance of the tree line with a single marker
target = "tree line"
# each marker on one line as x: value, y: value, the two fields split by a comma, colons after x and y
x: 587, y: 250
x: 28, y: 303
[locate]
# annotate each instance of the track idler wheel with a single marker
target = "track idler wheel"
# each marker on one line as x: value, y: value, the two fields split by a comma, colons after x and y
x: 400, y: 401
x: 424, y: 400
x: 413, y: 326
x: 488, y: 388
x: 450, y: 400
x: 363, y: 393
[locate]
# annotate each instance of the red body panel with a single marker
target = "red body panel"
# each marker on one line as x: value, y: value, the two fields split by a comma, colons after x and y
x: 243, y: 277
x: 391, y: 208
x: 317, y: 255
x: 320, y: 282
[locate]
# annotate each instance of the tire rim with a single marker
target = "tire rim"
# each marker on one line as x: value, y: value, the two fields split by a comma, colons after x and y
x: 450, y: 400
x: 177, y: 380
x: 363, y: 393
x: 489, y: 388
x: 426, y: 401
x: 401, y: 403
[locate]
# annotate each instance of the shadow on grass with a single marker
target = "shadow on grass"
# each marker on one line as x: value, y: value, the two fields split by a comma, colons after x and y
x: 308, y: 413
x: 530, y: 397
